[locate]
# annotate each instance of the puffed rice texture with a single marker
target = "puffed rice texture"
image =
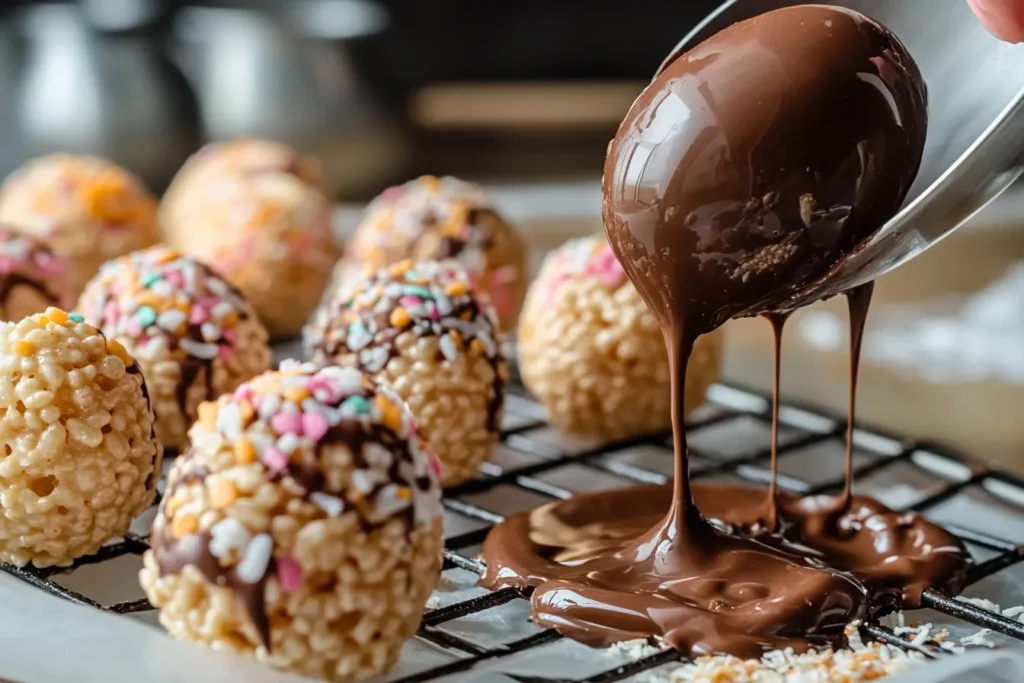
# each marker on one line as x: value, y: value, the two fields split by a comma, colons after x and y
x: 80, y: 460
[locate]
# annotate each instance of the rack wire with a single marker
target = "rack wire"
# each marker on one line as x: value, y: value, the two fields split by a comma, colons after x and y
x: 535, y: 460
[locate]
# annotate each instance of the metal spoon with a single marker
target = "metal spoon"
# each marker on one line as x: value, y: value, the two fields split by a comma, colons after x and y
x: 975, y: 146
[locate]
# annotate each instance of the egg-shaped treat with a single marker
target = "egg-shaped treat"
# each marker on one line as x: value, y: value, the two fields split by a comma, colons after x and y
x: 420, y: 328
x: 303, y: 526
x: 443, y: 218
x: 195, y: 335
x: 80, y: 459
x: 88, y: 211
x: 32, y: 277
x: 592, y: 352
x: 255, y: 211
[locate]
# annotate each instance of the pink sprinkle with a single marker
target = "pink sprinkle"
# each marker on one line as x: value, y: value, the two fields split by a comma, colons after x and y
x: 285, y: 423
x: 323, y: 389
x: 208, y: 302
x: 289, y: 573
x: 314, y: 425
x: 7, y: 264
x: 225, y: 352
x: 505, y: 275
x: 392, y: 193
x: 111, y: 313
x: 230, y: 336
x: 433, y: 313
x: 175, y: 279
x: 48, y: 263
x: 275, y: 460
x: 244, y: 393
x: 133, y: 328
x: 435, y: 467
x: 410, y: 301
x: 198, y: 315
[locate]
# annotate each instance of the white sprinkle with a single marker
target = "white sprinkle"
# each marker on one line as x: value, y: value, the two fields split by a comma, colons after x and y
x: 377, y: 457
x: 199, y: 350
x: 1012, y: 612
x: 260, y: 442
x: 289, y: 408
x: 489, y: 348
x: 358, y: 337
x: 227, y: 535
x: 254, y: 563
x: 288, y: 443
x: 349, y: 380
x: 982, y: 603
x: 269, y: 406
x: 210, y: 332
x: 448, y: 347
x: 332, y: 505
x: 364, y: 480
x: 221, y: 309
x: 188, y: 274
x: 162, y: 288
x: 156, y: 345
x: 388, y: 501
x: 374, y: 359
x: 229, y: 421
x: 978, y: 639
x: 218, y: 287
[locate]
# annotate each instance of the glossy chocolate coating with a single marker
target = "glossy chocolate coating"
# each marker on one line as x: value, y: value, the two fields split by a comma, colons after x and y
x: 754, y: 162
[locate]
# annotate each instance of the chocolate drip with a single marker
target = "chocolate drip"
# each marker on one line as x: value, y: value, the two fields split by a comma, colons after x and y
x: 858, y: 301
x: 190, y: 368
x: 174, y: 554
x: 778, y: 321
x: 751, y: 166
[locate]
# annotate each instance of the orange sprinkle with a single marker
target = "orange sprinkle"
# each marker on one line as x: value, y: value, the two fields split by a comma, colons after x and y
x: 230, y: 320
x: 246, y: 411
x: 117, y: 348
x: 184, y: 526
x: 477, y: 346
x: 43, y: 320
x: 223, y: 492
x: 456, y: 289
x: 147, y: 298
x: 401, y: 267
x: 403, y: 493
x: 245, y: 453
x: 457, y: 338
x: 24, y: 348
x: 467, y: 315
x: 400, y: 317
x: 297, y: 394
x: 390, y: 413
x: 56, y: 315
x: 208, y: 415
x: 172, y: 505
x: 168, y: 255
x: 430, y: 182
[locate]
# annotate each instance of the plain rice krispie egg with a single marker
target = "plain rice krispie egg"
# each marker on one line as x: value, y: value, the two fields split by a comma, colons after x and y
x: 593, y: 354
x: 303, y: 526
x: 32, y: 277
x: 80, y: 460
x: 433, y: 219
x: 255, y: 211
x: 421, y: 329
x: 87, y: 209
x: 195, y: 335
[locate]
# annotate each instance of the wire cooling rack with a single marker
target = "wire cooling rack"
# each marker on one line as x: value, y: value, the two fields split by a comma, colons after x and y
x: 729, y: 441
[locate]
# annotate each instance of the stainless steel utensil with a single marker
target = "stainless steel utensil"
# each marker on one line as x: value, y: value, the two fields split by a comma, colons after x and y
x: 287, y: 74
x: 975, y: 146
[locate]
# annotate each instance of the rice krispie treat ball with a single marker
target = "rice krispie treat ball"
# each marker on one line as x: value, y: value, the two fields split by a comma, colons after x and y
x: 440, y: 218
x: 32, y: 277
x: 592, y: 353
x: 303, y: 526
x: 422, y: 330
x: 254, y: 210
x: 195, y: 335
x: 87, y: 209
x: 80, y: 460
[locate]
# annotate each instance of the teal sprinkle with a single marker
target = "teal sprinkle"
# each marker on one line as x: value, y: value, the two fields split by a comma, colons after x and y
x: 412, y: 275
x: 77, y: 317
x: 357, y: 404
x: 151, y: 279
x: 146, y: 316
x: 418, y: 291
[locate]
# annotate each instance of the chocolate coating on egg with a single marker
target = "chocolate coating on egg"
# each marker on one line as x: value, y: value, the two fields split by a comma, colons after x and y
x: 756, y: 161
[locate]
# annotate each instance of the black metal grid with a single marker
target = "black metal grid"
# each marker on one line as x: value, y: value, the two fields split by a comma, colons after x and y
x: 537, y: 460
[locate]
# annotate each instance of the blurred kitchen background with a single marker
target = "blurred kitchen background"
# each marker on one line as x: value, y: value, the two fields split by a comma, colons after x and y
x: 382, y: 90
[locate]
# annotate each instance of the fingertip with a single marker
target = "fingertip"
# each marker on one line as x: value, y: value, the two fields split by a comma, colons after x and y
x: 1003, y: 18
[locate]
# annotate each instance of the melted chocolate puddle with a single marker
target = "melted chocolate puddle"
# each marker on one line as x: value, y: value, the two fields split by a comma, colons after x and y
x: 749, y: 167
